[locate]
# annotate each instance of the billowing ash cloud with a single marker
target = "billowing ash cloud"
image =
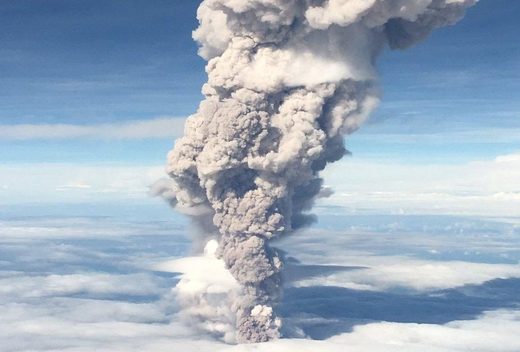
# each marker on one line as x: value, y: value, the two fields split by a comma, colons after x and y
x: 287, y: 79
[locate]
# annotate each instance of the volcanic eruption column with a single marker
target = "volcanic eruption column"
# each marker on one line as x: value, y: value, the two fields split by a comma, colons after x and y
x: 287, y: 79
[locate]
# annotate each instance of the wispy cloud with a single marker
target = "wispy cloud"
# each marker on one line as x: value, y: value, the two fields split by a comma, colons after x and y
x: 484, y: 136
x: 485, y: 187
x: 162, y: 127
x: 76, y: 182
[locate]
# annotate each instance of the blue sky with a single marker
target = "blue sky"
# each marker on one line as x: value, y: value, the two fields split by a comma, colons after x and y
x: 451, y: 100
x: 97, y: 61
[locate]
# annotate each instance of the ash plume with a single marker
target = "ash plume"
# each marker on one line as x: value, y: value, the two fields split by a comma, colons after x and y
x: 287, y: 79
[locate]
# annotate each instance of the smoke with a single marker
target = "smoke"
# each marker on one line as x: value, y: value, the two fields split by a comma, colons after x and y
x: 287, y: 79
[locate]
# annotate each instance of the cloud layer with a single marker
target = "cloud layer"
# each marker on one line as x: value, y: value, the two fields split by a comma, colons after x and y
x: 481, y: 187
x: 378, y: 283
x: 163, y: 127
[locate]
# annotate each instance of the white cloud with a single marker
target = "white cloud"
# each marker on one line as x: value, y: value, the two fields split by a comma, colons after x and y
x: 76, y: 228
x: 365, y: 258
x: 205, y: 293
x: 480, y: 136
x: 45, y: 309
x: 487, y: 187
x: 484, y: 188
x: 75, y: 182
x: 163, y: 127
x: 79, y: 184
x: 391, y: 272
x: 96, y: 284
x: 495, y: 331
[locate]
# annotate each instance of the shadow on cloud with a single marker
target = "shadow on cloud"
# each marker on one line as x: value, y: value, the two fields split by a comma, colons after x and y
x: 325, y: 311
